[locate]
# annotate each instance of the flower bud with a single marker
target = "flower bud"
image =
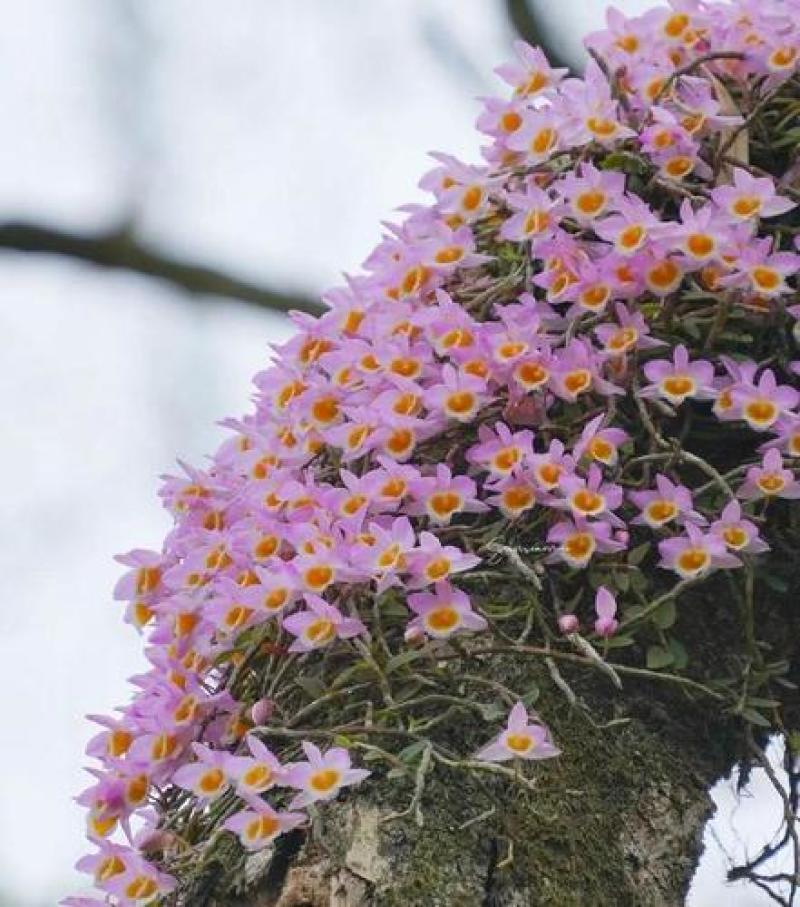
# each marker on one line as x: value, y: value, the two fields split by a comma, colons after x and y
x: 606, y: 627
x: 568, y: 623
x: 155, y: 840
x: 262, y: 711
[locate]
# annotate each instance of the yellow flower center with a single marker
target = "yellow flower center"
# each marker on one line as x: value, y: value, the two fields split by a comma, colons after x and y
x: 449, y: 255
x: 735, y: 536
x: 320, y: 631
x: 679, y: 166
x: 257, y: 776
x: 461, y: 403
x: 400, y: 442
x: 601, y: 127
x: 631, y: 237
x: 662, y: 511
x: 590, y: 202
x: 676, y: 25
x: 211, y: 781
x: 119, y: 742
x: 319, y: 577
x: 506, y: 459
x: 577, y: 381
x: 761, y: 411
x: 510, y: 121
x: 678, y: 385
x: 325, y: 780
x: 472, y: 198
x: 579, y: 545
x: 518, y: 498
x: 531, y: 374
x: 325, y: 410
x: 701, y: 245
x: 445, y: 503
x: 438, y: 569
x: 623, y: 339
x: 601, y: 450
x: 549, y: 474
x: 663, y: 275
x: 693, y: 560
x: 261, y: 828
x: 771, y: 483
x: 589, y: 502
x: 141, y: 887
x: 746, y: 205
x: 442, y: 619
x: 766, y: 279
x: 543, y: 141
x: 536, y: 222
x: 108, y: 868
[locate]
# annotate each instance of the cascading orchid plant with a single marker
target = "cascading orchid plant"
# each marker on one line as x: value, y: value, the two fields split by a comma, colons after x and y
x: 522, y: 359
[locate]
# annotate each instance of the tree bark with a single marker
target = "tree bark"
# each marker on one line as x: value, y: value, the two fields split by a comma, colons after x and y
x: 616, y: 820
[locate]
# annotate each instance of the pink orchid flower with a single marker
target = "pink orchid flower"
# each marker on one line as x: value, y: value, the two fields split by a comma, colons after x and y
x: 207, y: 778
x: 738, y: 533
x: 695, y: 554
x: 750, y: 197
x: 605, y: 606
x: 260, y: 825
x: 322, y: 775
x: 521, y: 739
x: 771, y: 479
x: 320, y: 625
x: 680, y: 379
x: 432, y: 562
x: 443, y: 612
x: 256, y: 773
x: 667, y: 502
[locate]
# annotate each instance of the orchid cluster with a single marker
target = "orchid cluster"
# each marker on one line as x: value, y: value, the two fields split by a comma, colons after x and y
x: 519, y: 389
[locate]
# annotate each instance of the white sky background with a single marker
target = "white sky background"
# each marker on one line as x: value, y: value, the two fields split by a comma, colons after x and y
x: 266, y: 136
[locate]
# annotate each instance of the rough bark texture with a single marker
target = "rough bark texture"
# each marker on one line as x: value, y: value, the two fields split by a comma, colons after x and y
x: 617, y: 821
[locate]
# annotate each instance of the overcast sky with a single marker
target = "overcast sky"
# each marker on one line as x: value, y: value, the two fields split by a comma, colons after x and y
x: 266, y: 136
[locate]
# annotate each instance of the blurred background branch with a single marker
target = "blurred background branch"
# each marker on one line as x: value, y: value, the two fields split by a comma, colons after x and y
x: 120, y: 249
x: 526, y: 23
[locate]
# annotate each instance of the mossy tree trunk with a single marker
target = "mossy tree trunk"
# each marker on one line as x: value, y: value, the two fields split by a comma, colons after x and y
x: 617, y: 820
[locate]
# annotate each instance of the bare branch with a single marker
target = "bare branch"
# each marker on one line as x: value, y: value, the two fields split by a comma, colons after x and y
x: 524, y: 21
x: 120, y: 249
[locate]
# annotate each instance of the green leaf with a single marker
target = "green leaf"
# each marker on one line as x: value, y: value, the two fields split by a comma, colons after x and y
x: 620, y: 641
x: 755, y: 717
x: 622, y: 581
x: 409, y: 753
x: 312, y: 686
x: 638, y: 554
x: 775, y: 582
x: 680, y: 656
x: 401, y: 660
x: 665, y: 615
x: 659, y: 657
x: 492, y: 713
x: 529, y: 697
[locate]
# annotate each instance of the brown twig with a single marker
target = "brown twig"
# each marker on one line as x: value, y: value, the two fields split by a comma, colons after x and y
x: 120, y: 249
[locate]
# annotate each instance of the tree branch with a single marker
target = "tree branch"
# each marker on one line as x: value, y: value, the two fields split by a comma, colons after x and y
x: 121, y: 250
x: 525, y: 23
